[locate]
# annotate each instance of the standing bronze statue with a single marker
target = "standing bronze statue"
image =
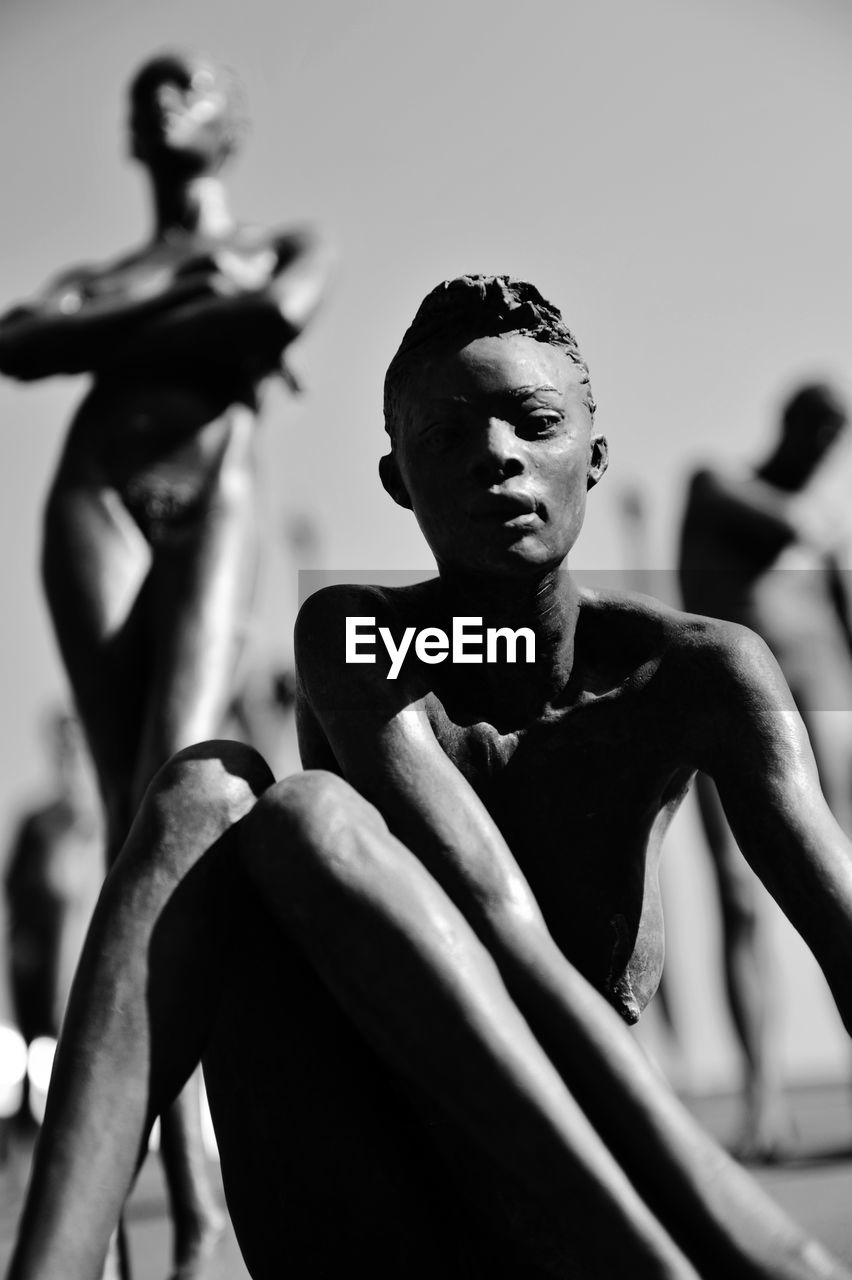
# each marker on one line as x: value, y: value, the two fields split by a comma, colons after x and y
x: 149, y: 537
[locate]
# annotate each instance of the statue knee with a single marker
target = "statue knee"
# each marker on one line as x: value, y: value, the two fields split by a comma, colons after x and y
x: 207, y: 787
x: 305, y: 827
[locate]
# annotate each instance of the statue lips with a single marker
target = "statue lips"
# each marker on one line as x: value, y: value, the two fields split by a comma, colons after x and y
x: 506, y: 508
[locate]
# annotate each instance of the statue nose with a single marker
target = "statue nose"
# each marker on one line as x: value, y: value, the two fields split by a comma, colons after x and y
x: 501, y: 453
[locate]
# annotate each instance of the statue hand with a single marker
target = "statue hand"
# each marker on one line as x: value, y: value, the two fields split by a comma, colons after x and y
x: 227, y: 272
x: 247, y: 271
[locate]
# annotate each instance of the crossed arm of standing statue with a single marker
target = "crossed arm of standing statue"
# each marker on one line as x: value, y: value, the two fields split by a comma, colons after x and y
x: 222, y: 297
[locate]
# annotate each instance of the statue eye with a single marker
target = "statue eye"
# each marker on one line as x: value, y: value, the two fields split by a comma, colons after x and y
x: 536, y: 425
x: 440, y: 435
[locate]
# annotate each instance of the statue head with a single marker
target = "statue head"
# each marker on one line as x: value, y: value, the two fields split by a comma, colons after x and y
x: 186, y: 114
x: 490, y: 413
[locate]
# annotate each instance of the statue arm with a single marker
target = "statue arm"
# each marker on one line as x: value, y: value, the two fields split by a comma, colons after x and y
x: 380, y: 736
x: 252, y: 305
x: 757, y: 511
x: 305, y: 264
x: 215, y: 301
x: 759, y: 754
x: 66, y: 331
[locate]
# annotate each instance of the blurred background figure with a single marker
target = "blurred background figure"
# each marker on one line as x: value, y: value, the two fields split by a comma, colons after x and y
x: 53, y: 874
x: 150, y: 547
x: 766, y: 548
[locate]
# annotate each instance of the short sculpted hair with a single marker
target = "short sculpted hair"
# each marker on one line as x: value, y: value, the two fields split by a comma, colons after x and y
x: 469, y: 307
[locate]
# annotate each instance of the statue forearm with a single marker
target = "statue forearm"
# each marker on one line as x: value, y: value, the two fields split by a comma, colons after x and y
x: 247, y: 327
x: 79, y: 336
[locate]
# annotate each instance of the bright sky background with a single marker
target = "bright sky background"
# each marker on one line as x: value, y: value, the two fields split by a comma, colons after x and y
x: 675, y: 174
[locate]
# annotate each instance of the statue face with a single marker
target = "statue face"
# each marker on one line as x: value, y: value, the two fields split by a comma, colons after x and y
x: 496, y: 454
x: 181, y: 116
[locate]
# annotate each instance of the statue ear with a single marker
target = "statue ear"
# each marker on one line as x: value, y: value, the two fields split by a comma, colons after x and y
x: 393, y: 481
x: 599, y: 460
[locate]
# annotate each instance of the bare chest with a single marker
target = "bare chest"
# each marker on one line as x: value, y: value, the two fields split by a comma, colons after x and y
x: 583, y: 798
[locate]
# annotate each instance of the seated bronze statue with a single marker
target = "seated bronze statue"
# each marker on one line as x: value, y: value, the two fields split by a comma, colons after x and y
x: 409, y: 971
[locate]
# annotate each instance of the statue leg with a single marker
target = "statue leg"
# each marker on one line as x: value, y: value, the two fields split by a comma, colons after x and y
x: 330, y: 1167
x: 429, y: 1000
x: 95, y: 569
x: 150, y: 638
x: 141, y: 1006
x: 198, y: 601
x: 427, y: 997
x: 507, y: 1040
